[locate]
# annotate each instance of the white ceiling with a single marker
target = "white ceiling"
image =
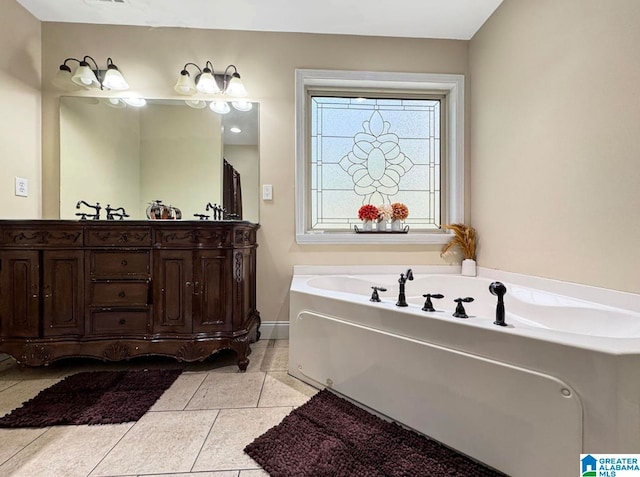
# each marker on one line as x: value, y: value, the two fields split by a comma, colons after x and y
x: 453, y: 19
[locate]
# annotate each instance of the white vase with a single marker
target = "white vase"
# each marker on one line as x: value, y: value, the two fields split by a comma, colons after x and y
x: 469, y: 267
x: 396, y: 225
x: 366, y: 225
x: 382, y: 225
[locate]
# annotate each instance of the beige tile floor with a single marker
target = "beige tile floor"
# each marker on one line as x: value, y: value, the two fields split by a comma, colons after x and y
x: 199, y: 427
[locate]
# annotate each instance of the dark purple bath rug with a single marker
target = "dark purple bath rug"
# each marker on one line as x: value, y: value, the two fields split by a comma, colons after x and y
x: 331, y: 437
x: 98, y: 397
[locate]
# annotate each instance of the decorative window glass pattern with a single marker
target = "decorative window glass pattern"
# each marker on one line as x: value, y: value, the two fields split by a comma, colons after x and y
x: 374, y: 151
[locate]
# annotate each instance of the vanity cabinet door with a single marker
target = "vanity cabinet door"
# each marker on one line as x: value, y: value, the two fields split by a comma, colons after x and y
x: 212, y: 298
x: 63, y: 292
x: 19, y: 294
x: 173, y: 291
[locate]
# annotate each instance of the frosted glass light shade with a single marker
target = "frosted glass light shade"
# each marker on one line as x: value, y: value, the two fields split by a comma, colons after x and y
x: 220, y: 107
x: 207, y: 84
x: 196, y: 103
x: 114, y: 80
x: 115, y: 103
x: 235, y: 88
x: 185, y: 84
x: 242, y: 105
x: 84, y: 76
x: 135, y: 101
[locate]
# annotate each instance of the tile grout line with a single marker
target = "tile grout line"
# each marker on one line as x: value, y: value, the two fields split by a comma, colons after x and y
x: 204, y: 441
x: 195, y: 392
x: 27, y: 445
x: 113, y: 447
x: 264, y: 380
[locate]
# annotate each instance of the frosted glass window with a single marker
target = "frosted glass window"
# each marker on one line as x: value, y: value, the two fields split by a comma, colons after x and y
x: 374, y: 151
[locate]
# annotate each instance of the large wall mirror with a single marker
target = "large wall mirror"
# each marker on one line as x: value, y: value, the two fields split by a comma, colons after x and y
x: 125, y: 156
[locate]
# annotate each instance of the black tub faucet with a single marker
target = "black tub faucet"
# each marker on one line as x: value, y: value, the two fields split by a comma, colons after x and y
x: 498, y: 289
x: 428, y: 306
x: 460, y: 311
x: 374, y: 295
x: 96, y: 207
x: 402, y: 299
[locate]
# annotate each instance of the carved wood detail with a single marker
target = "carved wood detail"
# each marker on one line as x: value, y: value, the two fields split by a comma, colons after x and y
x: 116, y: 352
x: 191, y: 351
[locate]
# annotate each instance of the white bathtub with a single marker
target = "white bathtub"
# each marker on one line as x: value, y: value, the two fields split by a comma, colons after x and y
x: 563, y: 378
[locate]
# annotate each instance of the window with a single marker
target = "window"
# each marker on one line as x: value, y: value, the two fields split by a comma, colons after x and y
x: 376, y: 138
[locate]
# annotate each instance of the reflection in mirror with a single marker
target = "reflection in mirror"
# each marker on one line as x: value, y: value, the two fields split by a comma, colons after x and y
x: 124, y: 156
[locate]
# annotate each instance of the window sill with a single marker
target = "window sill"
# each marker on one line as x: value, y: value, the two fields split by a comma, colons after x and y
x: 346, y: 238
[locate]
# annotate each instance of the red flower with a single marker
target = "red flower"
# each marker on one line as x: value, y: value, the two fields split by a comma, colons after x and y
x: 368, y: 212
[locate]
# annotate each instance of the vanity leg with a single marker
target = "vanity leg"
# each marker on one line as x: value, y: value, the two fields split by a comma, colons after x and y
x: 241, y: 347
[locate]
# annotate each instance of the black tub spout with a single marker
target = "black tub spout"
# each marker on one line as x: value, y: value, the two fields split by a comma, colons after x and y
x: 402, y: 299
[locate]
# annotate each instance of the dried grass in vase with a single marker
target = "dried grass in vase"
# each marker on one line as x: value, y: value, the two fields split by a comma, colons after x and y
x: 464, y: 237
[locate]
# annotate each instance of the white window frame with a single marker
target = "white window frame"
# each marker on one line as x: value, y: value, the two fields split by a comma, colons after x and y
x: 452, y: 86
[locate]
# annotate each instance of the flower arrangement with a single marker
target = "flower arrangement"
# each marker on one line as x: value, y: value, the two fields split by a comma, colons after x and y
x: 368, y: 212
x: 464, y: 236
x: 400, y: 211
x: 385, y: 212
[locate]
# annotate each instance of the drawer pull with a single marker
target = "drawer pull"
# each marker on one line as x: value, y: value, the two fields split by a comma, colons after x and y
x: 122, y: 321
x: 124, y: 263
x: 121, y: 294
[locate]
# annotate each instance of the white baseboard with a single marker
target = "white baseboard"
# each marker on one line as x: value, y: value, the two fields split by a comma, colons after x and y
x: 274, y: 330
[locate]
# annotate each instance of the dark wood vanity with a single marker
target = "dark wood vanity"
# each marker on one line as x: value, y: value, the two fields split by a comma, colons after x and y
x: 114, y: 290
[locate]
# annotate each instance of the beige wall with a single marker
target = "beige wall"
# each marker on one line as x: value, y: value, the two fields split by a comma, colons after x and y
x: 555, y: 120
x: 151, y: 59
x: 20, y: 144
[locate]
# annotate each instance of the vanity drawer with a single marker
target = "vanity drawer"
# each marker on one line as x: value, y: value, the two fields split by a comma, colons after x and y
x: 113, y: 321
x: 118, y: 236
x: 119, y: 293
x: 120, y: 264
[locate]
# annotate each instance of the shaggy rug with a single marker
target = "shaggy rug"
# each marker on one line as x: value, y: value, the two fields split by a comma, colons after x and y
x: 99, y: 397
x: 330, y: 437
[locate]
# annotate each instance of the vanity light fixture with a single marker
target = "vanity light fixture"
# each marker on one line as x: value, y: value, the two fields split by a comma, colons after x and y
x: 208, y: 82
x: 89, y: 75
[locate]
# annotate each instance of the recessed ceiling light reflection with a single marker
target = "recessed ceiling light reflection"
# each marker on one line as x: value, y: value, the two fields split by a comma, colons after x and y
x: 235, y: 130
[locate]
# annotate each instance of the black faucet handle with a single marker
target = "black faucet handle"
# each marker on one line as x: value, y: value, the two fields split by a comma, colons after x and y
x: 467, y: 299
x: 460, y: 311
x: 428, y: 306
x: 374, y: 295
x: 202, y: 216
x: 82, y: 215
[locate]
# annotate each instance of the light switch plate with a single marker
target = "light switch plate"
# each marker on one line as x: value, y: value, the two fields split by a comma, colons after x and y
x: 267, y: 192
x: 22, y: 187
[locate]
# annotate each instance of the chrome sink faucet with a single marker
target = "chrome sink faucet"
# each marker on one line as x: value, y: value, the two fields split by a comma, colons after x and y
x: 402, y: 299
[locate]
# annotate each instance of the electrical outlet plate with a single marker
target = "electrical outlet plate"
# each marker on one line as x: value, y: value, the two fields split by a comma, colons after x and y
x: 267, y: 192
x: 22, y: 187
